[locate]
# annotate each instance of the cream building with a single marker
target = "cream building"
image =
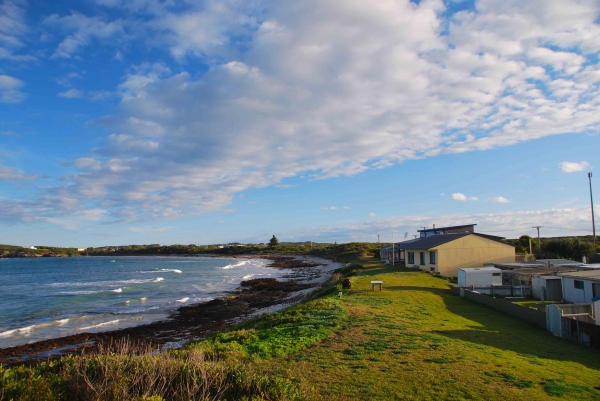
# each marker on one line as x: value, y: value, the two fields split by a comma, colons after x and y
x: 446, y: 253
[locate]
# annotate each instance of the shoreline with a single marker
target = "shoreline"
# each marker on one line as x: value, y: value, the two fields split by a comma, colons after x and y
x: 194, y: 322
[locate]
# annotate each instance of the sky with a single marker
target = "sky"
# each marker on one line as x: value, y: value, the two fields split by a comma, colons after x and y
x: 201, y: 122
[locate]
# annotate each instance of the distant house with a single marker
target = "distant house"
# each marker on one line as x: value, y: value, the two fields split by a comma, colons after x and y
x: 31, y: 247
x: 581, y: 287
x: 446, y: 253
x: 80, y: 249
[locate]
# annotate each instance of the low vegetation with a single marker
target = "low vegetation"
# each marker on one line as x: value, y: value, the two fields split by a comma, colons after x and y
x: 414, y: 340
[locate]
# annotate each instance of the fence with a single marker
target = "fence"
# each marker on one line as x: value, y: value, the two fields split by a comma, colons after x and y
x: 573, y: 322
x: 520, y: 312
x: 501, y: 290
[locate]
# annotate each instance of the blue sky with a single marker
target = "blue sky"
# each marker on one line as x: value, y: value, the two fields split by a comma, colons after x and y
x: 176, y: 121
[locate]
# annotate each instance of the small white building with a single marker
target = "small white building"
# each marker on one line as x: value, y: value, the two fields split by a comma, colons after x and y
x: 479, y: 276
x: 580, y: 287
x: 546, y: 288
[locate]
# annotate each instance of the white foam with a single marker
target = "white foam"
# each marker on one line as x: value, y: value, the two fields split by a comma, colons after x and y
x: 79, y: 292
x: 104, y: 283
x: 118, y: 290
x: 27, y: 329
x: 143, y: 299
x: 161, y: 270
x: 183, y: 300
x: 242, y: 263
x: 158, y: 279
x: 95, y: 326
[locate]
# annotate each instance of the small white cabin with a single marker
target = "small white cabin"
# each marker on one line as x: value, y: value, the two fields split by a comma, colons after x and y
x: 581, y: 287
x: 479, y: 276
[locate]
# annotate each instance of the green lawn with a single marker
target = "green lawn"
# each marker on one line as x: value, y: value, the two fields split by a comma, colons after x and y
x: 417, y: 341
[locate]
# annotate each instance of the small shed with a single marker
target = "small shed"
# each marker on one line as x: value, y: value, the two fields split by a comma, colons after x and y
x: 479, y: 276
x: 581, y: 287
x: 546, y: 288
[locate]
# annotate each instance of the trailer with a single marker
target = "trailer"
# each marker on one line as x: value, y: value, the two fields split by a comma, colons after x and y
x: 479, y: 276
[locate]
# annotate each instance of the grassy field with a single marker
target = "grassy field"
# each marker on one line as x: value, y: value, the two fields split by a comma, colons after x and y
x: 417, y: 341
x: 412, y: 341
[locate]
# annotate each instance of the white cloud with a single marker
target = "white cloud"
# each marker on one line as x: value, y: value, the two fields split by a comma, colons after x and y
x: 71, y: 94
x: 464, y: 198
x: 573, y: 167
x: 83, y: 30
x: 13, y: 174
x: 323, y: 89
x: 13, y: 29
x: 501, y: 199
x: 9, y: 89
x: 346, y: 207
x: 556, y: 222
x: 330, y: 208
x: 371, y: 214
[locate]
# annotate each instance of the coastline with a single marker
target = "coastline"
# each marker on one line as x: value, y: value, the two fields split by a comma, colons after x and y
x: 194, y: 322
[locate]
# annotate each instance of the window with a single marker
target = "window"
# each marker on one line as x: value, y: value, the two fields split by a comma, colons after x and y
x: 578, y: 284
x: 432, y: 257
x: 496, y: 274
x: 411, y: 257
x: 422, y: 257
x: 432, y: 269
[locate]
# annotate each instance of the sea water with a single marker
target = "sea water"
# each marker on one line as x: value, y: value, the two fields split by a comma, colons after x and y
x: 44, y: 298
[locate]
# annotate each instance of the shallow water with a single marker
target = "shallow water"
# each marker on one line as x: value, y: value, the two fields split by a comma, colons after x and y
x: 43, y: 298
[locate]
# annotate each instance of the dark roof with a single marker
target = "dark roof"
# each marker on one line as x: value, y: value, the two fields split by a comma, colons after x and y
x: 443, y: 228
x: 436, y: 240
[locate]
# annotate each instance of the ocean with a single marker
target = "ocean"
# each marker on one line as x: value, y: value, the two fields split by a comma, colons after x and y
x: 44, y: 298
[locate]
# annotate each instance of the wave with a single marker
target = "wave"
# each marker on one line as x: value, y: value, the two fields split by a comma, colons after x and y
x: 135, y: 310
x: 95, y: 326
x: 117, y: 290
x: 113, y: 283
x: 242, y: 263
x: 79, y: 292
x: 158, y: 280
x: 183, y: 300
x: 160, y: 270
x: 28, y: 329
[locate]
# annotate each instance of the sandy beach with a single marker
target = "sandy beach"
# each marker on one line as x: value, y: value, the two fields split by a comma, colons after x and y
x: 194, y: 322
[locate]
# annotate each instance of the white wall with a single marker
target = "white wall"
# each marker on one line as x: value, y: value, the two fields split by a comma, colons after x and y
x: 476, y: 277
x: 575, y: 295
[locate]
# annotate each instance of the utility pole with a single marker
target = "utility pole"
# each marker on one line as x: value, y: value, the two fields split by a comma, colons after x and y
x: 539, y: 240
x: 592, y: 203
x: 377, y: 239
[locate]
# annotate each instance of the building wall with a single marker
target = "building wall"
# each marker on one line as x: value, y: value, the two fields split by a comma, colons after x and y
x: 468, y: 251
x: 576, y: 295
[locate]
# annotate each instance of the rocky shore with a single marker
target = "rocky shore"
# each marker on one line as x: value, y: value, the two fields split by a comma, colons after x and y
x: 194, y: 322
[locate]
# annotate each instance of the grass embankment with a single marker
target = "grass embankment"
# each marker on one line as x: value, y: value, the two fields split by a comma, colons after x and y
x: 412, y: 341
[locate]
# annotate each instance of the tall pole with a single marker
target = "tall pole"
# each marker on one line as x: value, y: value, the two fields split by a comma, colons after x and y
x: 539, y: 240
x: 592, y: 203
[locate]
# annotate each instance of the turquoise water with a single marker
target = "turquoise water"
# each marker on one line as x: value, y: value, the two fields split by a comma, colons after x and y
x: 45, y: 298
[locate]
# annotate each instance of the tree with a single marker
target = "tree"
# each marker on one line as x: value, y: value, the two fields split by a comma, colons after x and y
x: 522, y: 245
x: 273, y: 242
